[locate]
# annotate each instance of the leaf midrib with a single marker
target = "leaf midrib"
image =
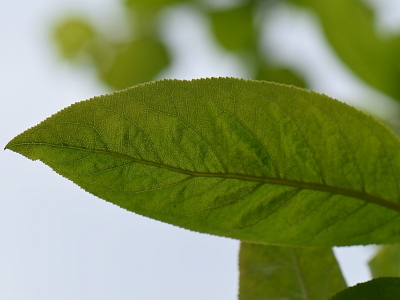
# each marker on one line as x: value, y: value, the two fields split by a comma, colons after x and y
x: 279, y: 181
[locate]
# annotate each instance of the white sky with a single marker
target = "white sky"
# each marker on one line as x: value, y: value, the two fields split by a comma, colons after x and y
x: 59, y: 242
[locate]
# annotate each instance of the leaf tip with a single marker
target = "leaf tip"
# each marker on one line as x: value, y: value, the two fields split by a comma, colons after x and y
x: 8, y: 146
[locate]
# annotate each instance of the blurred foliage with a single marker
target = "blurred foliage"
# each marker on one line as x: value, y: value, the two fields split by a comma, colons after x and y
x: 386, y: 262
x: 151, y: 3
x: 143, y: 55
x: 139, y: 61
x: 73, y: 35
x: 233, y: 28
x: 118, y: 63
x: 281, y: 75
x: 349, y: 27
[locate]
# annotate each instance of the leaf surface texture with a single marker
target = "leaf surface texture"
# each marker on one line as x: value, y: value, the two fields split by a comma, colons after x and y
x: 251, y: 160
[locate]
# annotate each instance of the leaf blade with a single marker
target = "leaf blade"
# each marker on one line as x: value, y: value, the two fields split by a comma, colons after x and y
x: 231, y: 157
x: 273, y: 272
x: 385, y: 288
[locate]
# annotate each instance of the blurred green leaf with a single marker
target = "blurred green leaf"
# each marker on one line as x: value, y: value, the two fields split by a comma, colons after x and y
x: 140, y: 61
x: 349, y: 27
x: 251, y: 160
x: 152, y: 3
x: 386, y: 262
x: 280, y: 75
x: 377, y: 289
x: 233, y: 28
x: 119, y: 64
x: 273, y: 272
x: 72, y: 35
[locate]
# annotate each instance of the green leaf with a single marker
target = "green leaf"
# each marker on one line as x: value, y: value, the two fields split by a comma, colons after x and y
x: 376, y: 289
x: 273, y: 272
x: 349, y: 28
x: 386, y: 262
x: 138, y: 62
x: 233, y: 28
x: 255, y: 161
x: 72, y: 35
x: 118, y: 65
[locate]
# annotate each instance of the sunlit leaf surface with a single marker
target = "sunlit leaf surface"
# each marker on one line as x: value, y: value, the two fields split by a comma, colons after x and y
x: 256, y: 161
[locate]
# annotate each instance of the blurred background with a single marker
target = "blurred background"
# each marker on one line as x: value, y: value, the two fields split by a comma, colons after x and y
x: 59, y: 242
